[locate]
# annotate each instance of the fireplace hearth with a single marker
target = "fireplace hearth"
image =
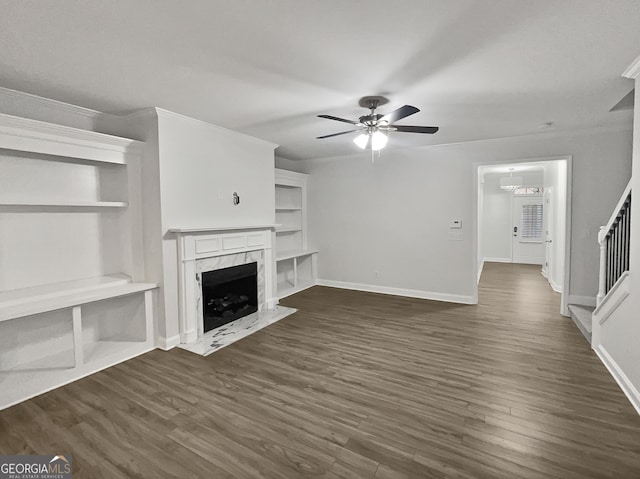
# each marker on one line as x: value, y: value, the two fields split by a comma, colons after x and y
x: 229, y: 294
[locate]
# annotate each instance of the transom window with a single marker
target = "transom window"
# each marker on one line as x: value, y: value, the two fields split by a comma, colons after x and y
x: 528, y: 190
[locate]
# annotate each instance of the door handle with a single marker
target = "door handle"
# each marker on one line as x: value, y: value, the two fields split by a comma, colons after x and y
x: 549, y: 241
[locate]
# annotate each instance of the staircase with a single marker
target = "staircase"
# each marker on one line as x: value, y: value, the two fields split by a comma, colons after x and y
x: 613, y: 287
x: 582, y: 316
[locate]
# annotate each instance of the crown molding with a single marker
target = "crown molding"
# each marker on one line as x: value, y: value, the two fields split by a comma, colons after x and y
x: 546, y: 134
x: 633, y: 70
x: 41, y: 101
x: 24, y: 134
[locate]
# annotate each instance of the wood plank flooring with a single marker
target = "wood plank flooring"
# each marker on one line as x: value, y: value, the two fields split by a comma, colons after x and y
x: 356, y: 385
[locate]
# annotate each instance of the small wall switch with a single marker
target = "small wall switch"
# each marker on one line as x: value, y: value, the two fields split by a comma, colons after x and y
x: 455, y: 224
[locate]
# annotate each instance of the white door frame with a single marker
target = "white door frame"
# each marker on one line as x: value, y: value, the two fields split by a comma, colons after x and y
x: 564, y: 310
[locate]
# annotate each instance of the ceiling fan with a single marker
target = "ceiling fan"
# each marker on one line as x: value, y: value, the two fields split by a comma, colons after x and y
x: 375, y: 127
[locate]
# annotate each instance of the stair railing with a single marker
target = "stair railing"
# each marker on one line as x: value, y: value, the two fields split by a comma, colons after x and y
x: 614, y: 245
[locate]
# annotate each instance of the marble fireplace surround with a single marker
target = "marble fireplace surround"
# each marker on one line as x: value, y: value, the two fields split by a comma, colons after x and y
x: 208, y: 249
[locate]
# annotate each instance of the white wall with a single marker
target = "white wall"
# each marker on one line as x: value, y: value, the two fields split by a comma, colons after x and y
x: 555, y: 177
x: 201, y: 165
x: 391, y: 217
x: 495, y: 222
x: 496, y: 219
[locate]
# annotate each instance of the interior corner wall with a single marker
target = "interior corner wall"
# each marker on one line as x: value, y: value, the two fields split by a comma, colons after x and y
x: 386, y: 224
x: 201, y: 166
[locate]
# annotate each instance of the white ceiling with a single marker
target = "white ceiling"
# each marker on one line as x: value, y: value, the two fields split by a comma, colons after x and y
x: 476, y: 68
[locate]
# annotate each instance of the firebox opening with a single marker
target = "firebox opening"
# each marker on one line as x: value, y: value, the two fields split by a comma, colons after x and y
x: 229, y: 294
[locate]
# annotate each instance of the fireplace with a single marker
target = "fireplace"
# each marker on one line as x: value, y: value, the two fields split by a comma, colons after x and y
x: 203, y: 251
x: 229, y: 294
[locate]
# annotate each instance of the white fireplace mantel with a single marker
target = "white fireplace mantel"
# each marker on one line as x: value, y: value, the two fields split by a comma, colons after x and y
x: 198, y: 244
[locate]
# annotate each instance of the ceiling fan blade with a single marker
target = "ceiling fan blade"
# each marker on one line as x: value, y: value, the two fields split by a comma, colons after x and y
x: 415, y: 129
x: 337, y: 134
x: 329, y: 117
x: 399, y: 114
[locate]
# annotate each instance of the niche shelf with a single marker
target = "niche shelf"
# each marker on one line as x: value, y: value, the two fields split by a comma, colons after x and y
x: 295, y: 262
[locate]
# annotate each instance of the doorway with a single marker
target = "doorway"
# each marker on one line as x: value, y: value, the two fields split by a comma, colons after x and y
x: 527, y: 240
x: 522, y: 217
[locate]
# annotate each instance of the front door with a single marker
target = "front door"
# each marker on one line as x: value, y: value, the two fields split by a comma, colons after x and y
x: 527, y: 243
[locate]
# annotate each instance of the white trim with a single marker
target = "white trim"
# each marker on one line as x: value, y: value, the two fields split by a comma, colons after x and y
x: 49, y: 103
x: 633, y: 70
x: 615, y: 296
x: 480, y: 269
x: 556, y: 287
x: 168, y: 343
x: 23, y: 134
x: 623, y: 126
x: 582, y: 300
x: 496, y: 260
x: 410, y: 293
x: 621, y: 378
x: 300, y: 287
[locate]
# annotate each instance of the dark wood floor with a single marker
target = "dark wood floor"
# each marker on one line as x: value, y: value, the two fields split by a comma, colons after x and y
x: 356, y: 385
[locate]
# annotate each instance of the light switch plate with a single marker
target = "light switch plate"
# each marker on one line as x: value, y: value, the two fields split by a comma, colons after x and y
x: 455, y: 224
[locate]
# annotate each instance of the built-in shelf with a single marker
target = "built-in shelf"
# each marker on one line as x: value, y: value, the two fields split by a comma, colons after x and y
x: 288, y: 290
x: 294, y: 253
x: 58, y: 332
x: 41, y: 299
x: 24, y: 134
x: 295, y: 262
x: 63, y: 204
x: 108, y: 348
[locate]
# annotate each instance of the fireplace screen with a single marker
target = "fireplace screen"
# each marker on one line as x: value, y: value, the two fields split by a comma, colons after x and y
x: 229, y: 294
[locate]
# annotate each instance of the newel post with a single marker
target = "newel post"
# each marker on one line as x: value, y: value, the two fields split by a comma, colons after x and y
x: 602, y: 283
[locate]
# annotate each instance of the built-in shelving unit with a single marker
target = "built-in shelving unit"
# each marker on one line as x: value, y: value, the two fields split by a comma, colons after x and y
x: 63, y: 204
x: 73, y: 299
x: 295, y: 262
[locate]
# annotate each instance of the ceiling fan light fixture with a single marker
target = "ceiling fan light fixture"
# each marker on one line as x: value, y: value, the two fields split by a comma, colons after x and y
x: 361, y: 140
x: 378, y: 140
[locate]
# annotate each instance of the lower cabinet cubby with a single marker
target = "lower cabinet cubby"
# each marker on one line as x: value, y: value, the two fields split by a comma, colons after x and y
x: 36, y: 343
x: 109, y: 326
x: 40, y: 352
x: 286, y: 275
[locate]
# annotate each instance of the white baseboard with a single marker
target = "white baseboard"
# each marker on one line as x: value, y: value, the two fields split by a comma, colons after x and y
x: 556, y: 287
x: 621, y: 378
x: 168, y: 343
x: 496, y: 260
x: 410, y: 293
x: 582, y: 300
x: 480, y: 271
x: 553, y: 284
